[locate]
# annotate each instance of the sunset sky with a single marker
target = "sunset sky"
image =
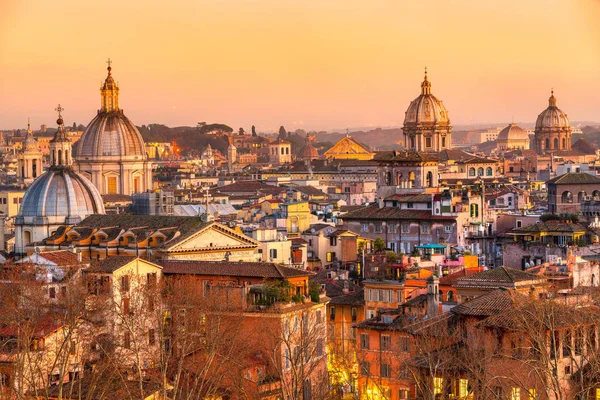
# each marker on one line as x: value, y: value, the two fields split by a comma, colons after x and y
x: 319, y: 64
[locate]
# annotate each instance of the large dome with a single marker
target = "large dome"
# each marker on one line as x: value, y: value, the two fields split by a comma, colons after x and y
x: 111, y: 134
x: 552, y: 118
x: 512, y: 132
x: 61, y: 192
x: 426, y: 109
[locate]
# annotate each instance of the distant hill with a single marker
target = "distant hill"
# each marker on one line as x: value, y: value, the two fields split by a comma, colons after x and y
x: 375, y: 139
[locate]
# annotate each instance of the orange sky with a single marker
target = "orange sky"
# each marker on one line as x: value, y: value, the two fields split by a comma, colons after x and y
x: 315, y: 64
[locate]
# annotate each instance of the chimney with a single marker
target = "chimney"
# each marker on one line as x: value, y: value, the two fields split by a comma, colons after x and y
x: 346, y: 287
x: 433, y: 296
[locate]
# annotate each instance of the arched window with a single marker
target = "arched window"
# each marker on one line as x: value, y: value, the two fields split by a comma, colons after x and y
x: 581, y: 196
x: 429, y: 179
x: 471, y: 171
x: 450, y: 295
x: 564, y: 143
x: 411, y: 179
x: 488, y: 171
x: 547, y: 143
x: 555, y: 143
x: 567, y: 197
x: 34, y: 168
x: 474, y: 210
x: 398, y: 178
x: 595, y: 194
x: 388, y: 178
x: 412, y: 142
x: 480, y: 171
x: 59, y: 157
x: 443, y: 142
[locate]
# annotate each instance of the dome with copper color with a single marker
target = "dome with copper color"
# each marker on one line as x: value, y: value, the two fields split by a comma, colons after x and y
x: 552, y: 117
x: 426, y: 109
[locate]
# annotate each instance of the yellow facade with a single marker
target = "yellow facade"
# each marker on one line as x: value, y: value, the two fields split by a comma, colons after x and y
x: 10, y: 202
x: 298, y: 217
x: 349, y: 149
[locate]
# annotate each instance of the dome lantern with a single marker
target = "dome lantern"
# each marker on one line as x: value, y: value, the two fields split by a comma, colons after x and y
x: 109, y: 92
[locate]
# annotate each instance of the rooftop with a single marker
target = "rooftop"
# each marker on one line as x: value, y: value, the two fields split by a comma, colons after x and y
x: 230, y: 268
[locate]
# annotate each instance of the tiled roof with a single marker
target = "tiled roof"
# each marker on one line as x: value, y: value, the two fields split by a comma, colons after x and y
x: 229, y: 268
x: 310, y: 191
x: 452, y: 278
x: 501, y: 277
x: 116, y: 198
x: 550, y: 226
x: 356, y: 298
x: 491, y: 303
x: 60, y: 257
x: 406, y: 156
x: 575, y: 178
x: 410, y: 198
x: 109, y: 264
x: 373, y: 212
x: 584, y: 146
x: 538, y: 317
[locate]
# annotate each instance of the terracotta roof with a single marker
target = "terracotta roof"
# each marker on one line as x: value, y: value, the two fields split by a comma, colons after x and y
x: 356, y: 298
x: 501, y: 277
x: 41, y: 327
x: 310, y: 191
x: 406, y: 156
x: 540, y: 316
x: 491, y: 303
x: 373, y: 212
x: 550, y: 226
x: 452, y: 278
x: 116, y: 198
x: 60, y: 257
x: 229, y: 268
x: 410, y: 198
x: 575, y: 178
x: 109, y: 264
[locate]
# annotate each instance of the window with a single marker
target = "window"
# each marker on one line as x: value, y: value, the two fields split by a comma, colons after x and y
x: 111, y: 185
x: 515, y: 393
x: 319, y: 347
x: 333, y: 240
x: 567, y: 370
x: 127, y: 340
x: 443, y: 145
x: 353, y: 313
x: 471, y: 171
x: 126, y: 309
x: 532, y: 394
x: 386, y: 343
x: 125, y: 283
x: 438, y: 385
x: 151, y: 337
x: 392, y: 228
x: 519, y: 223
x: 364, y: 341
x: 404, y: 344
x: 474, y: 210
x: 463, y: 388
x: 365, y: 227
x: 378, y: 227
x: 480, y: 171
x: 488, y: 171
x: 403, y: 394
x: 425, y: 229
x: 386, y: 371
x: 365, y: 367
x: 410, y: 205
x: 52, y: 292
x: 273, y: 253
x: 428, y: 142
x: 405, y: 227
x: 332, y: 313
x: 448, y: 228
x: 331, y: 256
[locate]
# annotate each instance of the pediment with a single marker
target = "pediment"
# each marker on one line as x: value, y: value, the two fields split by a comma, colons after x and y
x: 347, y: 146
x: 214, y: 237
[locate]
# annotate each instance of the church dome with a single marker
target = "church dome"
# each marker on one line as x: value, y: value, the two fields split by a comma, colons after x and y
x: 308, y: 151
x: 61, y: 192
x: 426, y: 109
x: 111, y: 133
x: 513, y: 132
x: 552, y: 118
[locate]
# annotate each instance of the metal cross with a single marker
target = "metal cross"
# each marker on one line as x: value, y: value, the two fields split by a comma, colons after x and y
x: 59, y: 109
x: 425, y: 70
x: 109, y: 62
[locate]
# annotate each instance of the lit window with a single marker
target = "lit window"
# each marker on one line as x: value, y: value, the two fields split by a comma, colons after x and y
x: 515, y: 393
x: 111, y: 184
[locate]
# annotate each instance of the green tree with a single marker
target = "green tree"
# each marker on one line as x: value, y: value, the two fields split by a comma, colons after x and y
x: 379, y: 244
x: 282, y: 133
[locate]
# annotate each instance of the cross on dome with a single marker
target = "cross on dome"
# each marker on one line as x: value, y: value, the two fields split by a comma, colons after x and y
x: 59, y: 109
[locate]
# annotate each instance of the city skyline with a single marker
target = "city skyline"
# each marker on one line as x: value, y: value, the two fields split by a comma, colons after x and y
x: 319, y: 67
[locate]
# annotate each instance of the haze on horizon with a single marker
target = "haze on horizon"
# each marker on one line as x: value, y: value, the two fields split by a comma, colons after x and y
x: 311, y: 65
